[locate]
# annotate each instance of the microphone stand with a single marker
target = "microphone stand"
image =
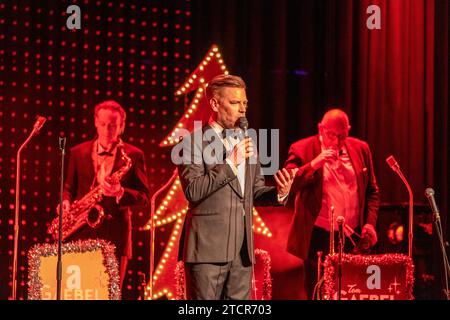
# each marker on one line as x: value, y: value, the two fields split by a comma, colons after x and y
x: 438, y: 227
x: 243, y: 125
x: 341, y: 247
x: 397, y: 170
x: 332, y: 230
x: 251, y: 229
x: 62, y: 145
x: 36, y: 129
x: 152, y: 228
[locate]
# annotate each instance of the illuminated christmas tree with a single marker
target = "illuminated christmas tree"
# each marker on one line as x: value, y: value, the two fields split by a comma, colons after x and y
x: 173, y: 208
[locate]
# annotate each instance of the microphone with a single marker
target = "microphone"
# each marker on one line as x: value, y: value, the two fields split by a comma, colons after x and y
x: 243, y: 124
x: 429, y: 193
x: 62, y: 143
x: 38, y: 124
x: 340, y: 220
x: 393, y: 163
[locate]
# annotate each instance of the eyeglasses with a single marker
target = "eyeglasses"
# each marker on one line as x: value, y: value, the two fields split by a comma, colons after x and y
x: 332, y: 135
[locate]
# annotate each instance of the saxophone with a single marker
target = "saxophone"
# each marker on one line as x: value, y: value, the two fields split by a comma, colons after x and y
x: 78, y: 214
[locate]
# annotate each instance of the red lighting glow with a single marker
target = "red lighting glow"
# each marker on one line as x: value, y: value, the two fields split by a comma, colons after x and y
x: 61, y: 74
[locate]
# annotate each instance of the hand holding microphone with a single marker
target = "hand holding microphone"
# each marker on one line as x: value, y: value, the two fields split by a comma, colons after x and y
x: 243, y: 150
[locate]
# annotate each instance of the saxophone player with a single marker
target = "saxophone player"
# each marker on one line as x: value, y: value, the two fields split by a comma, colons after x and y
x: 92, y: 164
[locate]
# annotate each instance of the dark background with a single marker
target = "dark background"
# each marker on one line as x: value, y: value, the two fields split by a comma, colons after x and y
x: 299, y: 58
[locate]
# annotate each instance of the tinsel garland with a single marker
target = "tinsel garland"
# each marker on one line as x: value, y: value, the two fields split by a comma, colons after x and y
x: 267, y: 281
x: 179, y: 278
x: 365, y: 260
x: 266, y: 286
x: 44, y: 250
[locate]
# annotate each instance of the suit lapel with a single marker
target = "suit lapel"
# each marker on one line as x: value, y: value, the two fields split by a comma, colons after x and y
x: 118, y: 162
x: 234, y: 184
x: 236, y: 187
x: 88, y: 161
x: 357, y: 166
x: 316, y: 148
x: 316, y: 151
x: 249, y: 174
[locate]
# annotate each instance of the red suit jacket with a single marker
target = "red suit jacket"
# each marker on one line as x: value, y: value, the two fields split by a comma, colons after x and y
x: 80, y: 175
x: 306, y: 191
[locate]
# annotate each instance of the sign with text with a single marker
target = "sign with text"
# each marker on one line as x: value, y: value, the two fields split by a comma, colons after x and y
x: 369, y: 277
x: 86, y: 272
x: 84, y: 277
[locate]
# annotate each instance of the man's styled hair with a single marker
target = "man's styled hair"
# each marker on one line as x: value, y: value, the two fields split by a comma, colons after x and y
x: 223, y: 81
x: 113, y: 106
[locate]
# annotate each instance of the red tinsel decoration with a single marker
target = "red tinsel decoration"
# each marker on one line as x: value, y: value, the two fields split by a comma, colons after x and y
x: 267, y: 279
x: 330, y: 267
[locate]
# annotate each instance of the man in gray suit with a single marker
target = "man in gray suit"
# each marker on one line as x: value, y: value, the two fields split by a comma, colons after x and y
x: 222, y: 181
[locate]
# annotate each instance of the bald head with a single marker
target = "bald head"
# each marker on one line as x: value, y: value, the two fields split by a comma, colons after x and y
x: 335, y: 118
x: 334, y: 128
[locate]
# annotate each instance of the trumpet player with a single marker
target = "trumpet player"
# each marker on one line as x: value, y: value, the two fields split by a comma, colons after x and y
x: 114, y: 170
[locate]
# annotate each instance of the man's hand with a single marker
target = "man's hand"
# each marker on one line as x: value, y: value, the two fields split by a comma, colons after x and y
x: 243, y: 150
x: 327, y: 155
x: 368, y: 231
x: 112, y: 189
x: 284, y: 179
x: 65, y: 205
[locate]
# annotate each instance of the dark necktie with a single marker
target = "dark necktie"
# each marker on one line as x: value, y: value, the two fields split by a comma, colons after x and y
x: 105, y: 153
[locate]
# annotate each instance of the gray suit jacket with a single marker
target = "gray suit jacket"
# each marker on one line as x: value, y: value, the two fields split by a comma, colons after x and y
x: 215, y: 223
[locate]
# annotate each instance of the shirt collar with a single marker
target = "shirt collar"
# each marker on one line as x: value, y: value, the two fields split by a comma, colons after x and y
x: 220, y: 130
x: 216, y: 126
x: 101, y: 149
